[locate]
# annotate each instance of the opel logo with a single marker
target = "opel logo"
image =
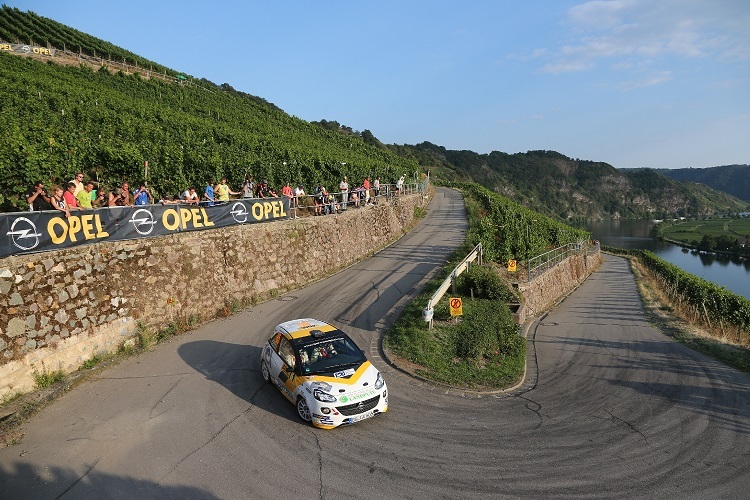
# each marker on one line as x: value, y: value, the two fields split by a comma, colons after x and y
x: 24, y: 234
x: 26, y: 49
x: 143, y: 221
x: 239, y: 212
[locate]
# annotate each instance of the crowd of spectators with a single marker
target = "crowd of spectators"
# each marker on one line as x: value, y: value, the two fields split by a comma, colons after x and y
x: 82, y: 194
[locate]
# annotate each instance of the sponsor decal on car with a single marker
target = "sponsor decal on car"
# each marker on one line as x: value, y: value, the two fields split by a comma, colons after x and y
x: 344, y: 373
x: 357, y: 396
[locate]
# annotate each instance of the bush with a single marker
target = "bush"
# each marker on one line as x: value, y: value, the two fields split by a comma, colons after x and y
x: 486, y: 283
x: 487, y: 330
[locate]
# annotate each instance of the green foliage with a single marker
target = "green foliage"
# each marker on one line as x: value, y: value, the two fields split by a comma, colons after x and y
x: 486, y: 330
x: 719, y: 305
x: 46, y: 379
x: 732, y: 179
x: 485, y: 284
x: 724, y: 234
x: 59, y: 120
x: 508, y: 230
x: 571, y: 189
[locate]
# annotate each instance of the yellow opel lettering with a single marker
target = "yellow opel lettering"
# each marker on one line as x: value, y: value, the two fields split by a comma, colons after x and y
x: 276, y: 209
x: 52, y: 224
x: 257, y: 211
x: 282, y: 213
x: 170, y: 219
x: 185, y: 216
x: 100, y: 232
x: 87, y: 225
x: 75, y: 227
x: 206, y: 222
x: 267, y: 207
x: 196, y: 217
x: 5, y: 46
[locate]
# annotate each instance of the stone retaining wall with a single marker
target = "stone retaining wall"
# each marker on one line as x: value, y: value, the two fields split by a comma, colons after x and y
x: 58, y: 309
x: 542, y: 292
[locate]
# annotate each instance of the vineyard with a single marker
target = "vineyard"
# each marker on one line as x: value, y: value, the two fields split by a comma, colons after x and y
x: 702, y: 300
x: 59, y: 120
x: 508, y: 230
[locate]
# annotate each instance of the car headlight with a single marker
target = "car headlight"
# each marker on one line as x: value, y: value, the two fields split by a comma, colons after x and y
x: 323, y: 396
x: 379, y: 382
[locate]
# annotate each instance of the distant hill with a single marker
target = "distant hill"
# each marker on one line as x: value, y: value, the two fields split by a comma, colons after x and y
x: 732, y: 179
x: 567, y: 188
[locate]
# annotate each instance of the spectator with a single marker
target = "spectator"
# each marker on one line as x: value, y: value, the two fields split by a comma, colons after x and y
x: 190, y: 196
x: 84, y: 197
x: 38, y: 198
x: 400, y: 185
x: 318, y: 198
x: 331, y: 207
x: 344, y: 189
x: 142, y: 195
x: 376, y: 186
x: 248, y: 187
x: 366, y: 185
x: 223, y: 190
x: 208, y: 194
x: 120, y: 197
x: 70, y: 199
x: 58, y: 201
x: 78, y: 181
x: 299, y: 192
x: 169, y: 200
x: 286, y: 192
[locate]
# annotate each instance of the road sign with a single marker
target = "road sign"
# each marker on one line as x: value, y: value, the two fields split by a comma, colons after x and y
x: 511, y: 266
x: 457, y: 306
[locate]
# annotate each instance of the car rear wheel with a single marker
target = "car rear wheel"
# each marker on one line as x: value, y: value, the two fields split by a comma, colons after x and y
x: 303, y: 410
x: 265, y: 372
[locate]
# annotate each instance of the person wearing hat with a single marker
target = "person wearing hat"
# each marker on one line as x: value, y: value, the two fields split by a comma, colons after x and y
x: 261, y: 190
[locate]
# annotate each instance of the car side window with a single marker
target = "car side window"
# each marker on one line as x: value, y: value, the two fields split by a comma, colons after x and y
x: 274, y: 341
x: 286, y: 351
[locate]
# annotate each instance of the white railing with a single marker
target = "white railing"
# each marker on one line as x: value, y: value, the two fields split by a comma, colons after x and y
x: 475, y: 254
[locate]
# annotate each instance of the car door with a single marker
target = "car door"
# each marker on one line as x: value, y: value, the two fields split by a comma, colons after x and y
x: 282, y: 368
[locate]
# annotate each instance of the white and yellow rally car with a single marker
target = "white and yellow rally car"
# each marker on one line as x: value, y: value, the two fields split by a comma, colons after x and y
x: 321, y: 370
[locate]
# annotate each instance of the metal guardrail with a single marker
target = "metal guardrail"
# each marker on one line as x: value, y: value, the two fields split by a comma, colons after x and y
x: 541, y: 263
x: 475, y: 254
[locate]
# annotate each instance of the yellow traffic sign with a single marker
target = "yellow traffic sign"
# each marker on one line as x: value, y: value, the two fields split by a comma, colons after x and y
x: 457, y: 306
x: 511, y: 266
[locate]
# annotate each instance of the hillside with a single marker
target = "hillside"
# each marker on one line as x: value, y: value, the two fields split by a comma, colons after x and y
x: 62, y: 119
x: 731, y: 179
x: 554, y: 184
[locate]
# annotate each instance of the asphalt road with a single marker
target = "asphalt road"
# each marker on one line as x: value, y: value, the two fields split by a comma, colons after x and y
x: 610, y: 409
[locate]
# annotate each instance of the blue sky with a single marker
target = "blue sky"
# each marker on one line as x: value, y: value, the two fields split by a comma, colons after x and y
x: 634, y: 83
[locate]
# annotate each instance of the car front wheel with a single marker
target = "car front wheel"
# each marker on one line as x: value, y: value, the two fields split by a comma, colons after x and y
x: 303, y: 410
x: 264, y: 371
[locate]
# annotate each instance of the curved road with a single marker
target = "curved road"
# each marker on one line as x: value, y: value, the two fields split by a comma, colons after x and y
x: 610, y: 408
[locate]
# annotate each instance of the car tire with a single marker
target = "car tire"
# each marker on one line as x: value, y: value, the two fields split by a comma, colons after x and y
x: 265, y: 372
x: 303, y: 410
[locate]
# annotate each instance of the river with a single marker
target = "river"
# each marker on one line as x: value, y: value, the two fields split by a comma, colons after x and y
x: 723, y: 270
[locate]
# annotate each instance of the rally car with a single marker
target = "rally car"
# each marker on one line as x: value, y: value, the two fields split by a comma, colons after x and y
x: 321, y: 370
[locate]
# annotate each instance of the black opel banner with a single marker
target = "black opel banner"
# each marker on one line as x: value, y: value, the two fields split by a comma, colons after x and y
x: 26, y: 232
x: 19, y: 48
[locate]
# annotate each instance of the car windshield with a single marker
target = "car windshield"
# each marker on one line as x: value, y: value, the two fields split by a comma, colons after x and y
x: 330, y: 354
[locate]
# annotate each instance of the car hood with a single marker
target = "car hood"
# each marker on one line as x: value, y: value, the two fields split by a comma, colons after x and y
x: 349, y: 386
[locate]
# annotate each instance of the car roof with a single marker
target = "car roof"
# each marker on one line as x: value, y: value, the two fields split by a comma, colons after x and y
x: 301, y: 328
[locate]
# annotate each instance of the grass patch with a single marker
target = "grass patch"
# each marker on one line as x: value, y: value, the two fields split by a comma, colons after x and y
x: 46, y: 379
x: 482, y: 350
